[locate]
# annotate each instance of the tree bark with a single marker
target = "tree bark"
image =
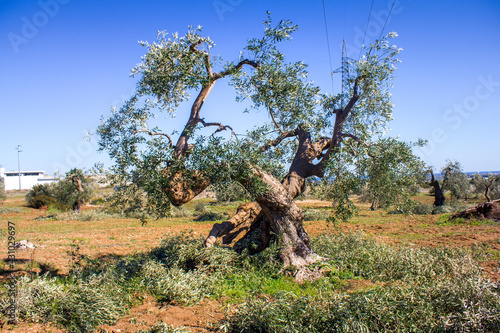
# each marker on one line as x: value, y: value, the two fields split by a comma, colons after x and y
x: 486, y: 194
x: 77, y: 205
x: 286, y: 219
x: 439, y: 198
x: 275, y: 212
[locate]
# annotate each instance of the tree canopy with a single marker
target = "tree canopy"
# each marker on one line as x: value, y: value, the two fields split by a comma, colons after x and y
x: 309, y: 133
x: 486, y: 185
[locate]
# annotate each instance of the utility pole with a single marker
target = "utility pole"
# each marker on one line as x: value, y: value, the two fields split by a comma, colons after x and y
x: 19, y: 164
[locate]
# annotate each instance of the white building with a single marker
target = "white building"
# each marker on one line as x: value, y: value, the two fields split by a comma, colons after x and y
x: 28, y: 179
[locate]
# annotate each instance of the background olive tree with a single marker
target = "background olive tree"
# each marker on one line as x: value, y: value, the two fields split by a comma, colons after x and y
x: 391, y: 174
x: 455, y: 180
x: 488, y: 186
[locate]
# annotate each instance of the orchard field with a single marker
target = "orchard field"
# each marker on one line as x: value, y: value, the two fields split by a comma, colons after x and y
x: 155, y: 276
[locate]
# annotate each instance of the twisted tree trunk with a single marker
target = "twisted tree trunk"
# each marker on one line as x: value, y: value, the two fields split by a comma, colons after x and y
x: 77, y: 205
x: 275, y: 212
x: 438, y: 193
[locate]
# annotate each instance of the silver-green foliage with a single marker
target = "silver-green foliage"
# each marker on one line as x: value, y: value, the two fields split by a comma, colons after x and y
x: 391, y: 174
x: 175, y: 67
x: 488, y: 186
x: 419, y: 290
x: 455, y: 180
x: 411, y: 289
x: 79, y: 306
x: 63, y: 194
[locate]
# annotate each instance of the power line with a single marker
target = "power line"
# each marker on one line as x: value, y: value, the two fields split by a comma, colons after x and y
x: 387, y: 19
x: 366, y: 28
x: 328, y: 44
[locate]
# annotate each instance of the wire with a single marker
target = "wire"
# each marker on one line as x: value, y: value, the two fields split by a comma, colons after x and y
x: 328, y: 44
x: 387, y: 19
x: 366, y: 28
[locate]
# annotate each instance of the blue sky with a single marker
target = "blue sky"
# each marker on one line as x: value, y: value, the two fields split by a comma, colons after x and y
x: 64, y: 63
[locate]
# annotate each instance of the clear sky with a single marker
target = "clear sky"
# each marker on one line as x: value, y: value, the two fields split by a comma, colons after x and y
x: 64, y: 63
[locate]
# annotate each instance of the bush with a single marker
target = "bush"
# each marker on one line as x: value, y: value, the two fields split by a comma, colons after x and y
x: 63, y: 195
x: 80, y: 306
x: 408, y: 289
x: 3, y: 196
x: 40, y: 196
x: 442, y: 210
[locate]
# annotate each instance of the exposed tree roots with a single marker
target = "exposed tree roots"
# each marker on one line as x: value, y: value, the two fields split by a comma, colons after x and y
x: 487, y: 210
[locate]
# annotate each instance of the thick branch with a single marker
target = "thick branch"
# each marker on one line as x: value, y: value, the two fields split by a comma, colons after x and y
x: 194, y: 118
x: 340, y: 118
x: 277, y: 141
x: 236, y: 68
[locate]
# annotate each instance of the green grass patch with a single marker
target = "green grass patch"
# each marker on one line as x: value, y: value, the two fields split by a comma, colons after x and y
x: 446, y: 220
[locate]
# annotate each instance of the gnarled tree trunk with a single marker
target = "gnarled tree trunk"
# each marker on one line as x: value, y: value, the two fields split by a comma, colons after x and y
x: 438, y: 193
x: 275, y: 211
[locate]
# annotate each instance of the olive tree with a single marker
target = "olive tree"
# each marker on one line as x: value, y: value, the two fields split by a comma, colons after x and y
x: 392, y: 173
x: 455, y: 180
x: 486, y: 185
x: 308, y: 133
x: 73, y: 190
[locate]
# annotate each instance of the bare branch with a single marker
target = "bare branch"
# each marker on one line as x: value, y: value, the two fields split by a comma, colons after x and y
x: 277, y: 141
x: 274, y: 120
x: 220, y: 127
x: 156, y: 133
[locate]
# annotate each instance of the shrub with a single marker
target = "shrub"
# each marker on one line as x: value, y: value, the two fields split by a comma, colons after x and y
x: 63, y: 195
x: 79, y: 306
x: 3, y: 196
x: 442, y: 210
x: 40, y: 196
x: 409, y: 289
